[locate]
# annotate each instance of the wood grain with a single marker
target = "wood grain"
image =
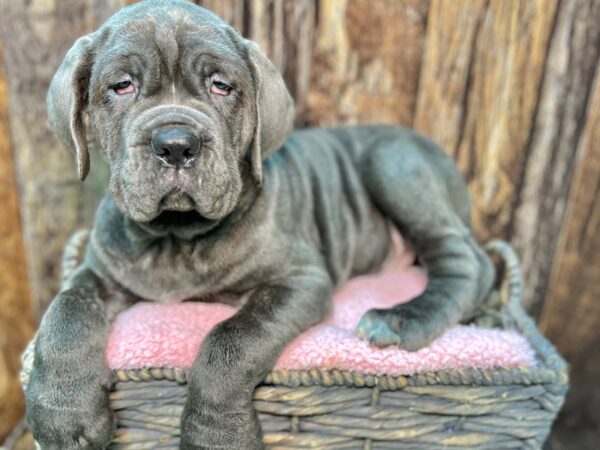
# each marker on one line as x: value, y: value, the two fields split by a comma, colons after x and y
x: 554, y: 151
x: 16, y: 319
x: 571, y: 310
x: 233, y: 11
x: 285, y: 31
x: 571, y: 314
x: 481, y: 74
x: 54, y: 203
x: 366, y: 61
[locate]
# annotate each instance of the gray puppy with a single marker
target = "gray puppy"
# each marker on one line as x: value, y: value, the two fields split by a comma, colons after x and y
x: 189, y: 115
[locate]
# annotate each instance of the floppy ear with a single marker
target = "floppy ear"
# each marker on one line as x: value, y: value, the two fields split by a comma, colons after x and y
x: 67, y: 99
x: 274, y: 109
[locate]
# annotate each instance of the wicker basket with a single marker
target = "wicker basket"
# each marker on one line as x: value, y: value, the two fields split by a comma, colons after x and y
x: 477, y: 409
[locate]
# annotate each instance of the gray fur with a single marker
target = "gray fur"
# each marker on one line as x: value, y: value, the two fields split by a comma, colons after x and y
x: 279, y: 231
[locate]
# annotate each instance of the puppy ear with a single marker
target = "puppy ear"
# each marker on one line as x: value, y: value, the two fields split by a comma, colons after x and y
x: 274, y: 109
x: 67, y: 99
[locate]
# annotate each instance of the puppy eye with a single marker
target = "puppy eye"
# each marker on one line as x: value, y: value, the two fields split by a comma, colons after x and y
x: 124, y: 87
x: 220, y: 88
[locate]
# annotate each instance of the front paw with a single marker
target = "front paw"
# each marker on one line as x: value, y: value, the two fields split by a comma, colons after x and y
x: 222, y: 427
x: 405, y: 326
x: 69, y: 414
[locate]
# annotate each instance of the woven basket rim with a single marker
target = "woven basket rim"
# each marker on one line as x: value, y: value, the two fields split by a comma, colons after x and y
x: 551, y: 368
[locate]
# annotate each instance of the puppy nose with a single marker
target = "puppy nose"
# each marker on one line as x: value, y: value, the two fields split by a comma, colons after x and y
x: 175, y: 146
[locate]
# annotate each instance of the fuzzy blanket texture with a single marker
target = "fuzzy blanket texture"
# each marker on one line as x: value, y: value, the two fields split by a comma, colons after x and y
x: 169, y: 335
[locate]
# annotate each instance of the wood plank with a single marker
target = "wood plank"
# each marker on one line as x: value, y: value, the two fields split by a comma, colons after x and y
x: 553, y: 152
x: 54, y: 203
x: 571, y: 314
x: 453, y: 29
x: 481, y: 73
x: 233, y: 11
x: 16, y: 318
x: 366, y: 61
x: 285, y: 31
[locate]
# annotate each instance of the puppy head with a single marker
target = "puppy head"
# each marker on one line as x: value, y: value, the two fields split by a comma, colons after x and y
x: 182, y: 106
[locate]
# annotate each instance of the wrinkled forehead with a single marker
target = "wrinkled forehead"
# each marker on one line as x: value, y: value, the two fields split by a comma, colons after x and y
x: 181, y: 31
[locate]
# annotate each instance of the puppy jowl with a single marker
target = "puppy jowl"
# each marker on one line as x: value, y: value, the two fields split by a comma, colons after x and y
x: 212, y: 193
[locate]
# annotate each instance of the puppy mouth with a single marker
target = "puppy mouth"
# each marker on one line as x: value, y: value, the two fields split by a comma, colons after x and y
x: 178, y: 215
x: 181, y: 224
x: 176, y: 200
x: 169, y: 219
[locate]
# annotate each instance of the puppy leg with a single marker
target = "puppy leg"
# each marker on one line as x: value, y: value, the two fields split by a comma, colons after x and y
x: 418, y: 187
x: 237, y: 355
x: 67, y: 394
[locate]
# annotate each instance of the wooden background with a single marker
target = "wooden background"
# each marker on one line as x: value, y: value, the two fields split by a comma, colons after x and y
x: 511, y: 88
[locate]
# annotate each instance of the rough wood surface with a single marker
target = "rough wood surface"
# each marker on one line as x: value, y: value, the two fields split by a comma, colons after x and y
x: 571, y: 314
x: 366, y: 62
x: 336, y: 63
x: 554, y: 150
x: 16, y: 319
x: 480, y: 79
x: 36, y: 36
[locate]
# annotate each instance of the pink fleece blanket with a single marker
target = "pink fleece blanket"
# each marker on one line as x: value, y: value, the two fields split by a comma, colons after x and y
x: 157, y: 335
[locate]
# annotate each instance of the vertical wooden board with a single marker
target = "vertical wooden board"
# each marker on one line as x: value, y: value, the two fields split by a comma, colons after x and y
x: 553, y: 152
x: 37, y: 35
x: 284, y: 30
x: 571, y: 314
x: 16, y: 318
x: 477, y: 95
x: 233, y: 11
x: 366, y: 61
x: 299, y: 31
x: 452, y: 32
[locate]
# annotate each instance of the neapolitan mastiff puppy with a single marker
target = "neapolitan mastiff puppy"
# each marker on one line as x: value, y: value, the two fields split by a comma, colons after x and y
x: 189, y: 116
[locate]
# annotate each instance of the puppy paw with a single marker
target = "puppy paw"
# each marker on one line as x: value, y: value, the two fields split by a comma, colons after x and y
x: 213, y: 429
x: 74, y: 415
x: 402, y: 326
